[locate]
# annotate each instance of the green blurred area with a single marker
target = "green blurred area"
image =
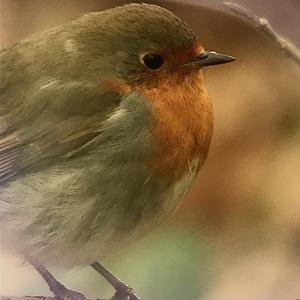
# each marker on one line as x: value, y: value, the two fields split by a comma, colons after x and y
x: 172, y: 263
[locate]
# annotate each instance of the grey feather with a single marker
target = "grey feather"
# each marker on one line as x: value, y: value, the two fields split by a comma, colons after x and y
x: 73, y: 177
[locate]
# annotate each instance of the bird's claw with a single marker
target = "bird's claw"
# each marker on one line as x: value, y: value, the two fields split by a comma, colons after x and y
x: 66, y: 294
x: 125, y: 293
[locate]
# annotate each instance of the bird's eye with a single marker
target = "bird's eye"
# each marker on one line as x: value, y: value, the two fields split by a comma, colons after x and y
x: 152, y: 61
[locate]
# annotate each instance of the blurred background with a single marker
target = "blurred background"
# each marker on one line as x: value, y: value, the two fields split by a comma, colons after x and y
x: 237, y: 234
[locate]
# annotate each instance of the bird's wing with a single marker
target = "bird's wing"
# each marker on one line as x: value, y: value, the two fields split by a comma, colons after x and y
x: 41, y: 125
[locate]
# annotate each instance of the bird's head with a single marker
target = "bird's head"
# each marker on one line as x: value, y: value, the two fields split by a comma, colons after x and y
x: 143, y: 44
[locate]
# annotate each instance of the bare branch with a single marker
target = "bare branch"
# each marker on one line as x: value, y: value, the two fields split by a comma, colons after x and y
x: 26, y: 298
x: 263, y: 24
x: 38, y: 298
x: 41, y: 298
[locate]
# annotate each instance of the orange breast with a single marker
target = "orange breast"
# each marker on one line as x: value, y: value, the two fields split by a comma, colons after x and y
x: 182, y: 123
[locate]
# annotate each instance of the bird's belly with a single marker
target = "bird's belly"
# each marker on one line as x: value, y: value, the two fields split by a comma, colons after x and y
x: 145, y: 211
x: 86, y: 216
x: 91, y: 205
x: 179, y: 188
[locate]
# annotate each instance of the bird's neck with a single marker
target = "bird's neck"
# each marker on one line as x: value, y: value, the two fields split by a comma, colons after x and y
x: 182, y: 124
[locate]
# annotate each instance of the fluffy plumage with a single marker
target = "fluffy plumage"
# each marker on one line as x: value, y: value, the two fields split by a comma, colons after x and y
x: 94, y: 148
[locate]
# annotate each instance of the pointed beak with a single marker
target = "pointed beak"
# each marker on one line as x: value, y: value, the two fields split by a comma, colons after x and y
x: 209, y: 58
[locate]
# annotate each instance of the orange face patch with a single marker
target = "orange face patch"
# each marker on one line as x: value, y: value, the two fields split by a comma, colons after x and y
x: 183, y: 122
x: 182, y: 117
x: 177, y: 57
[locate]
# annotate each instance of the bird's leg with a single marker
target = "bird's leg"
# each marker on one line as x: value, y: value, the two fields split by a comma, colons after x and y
x: 123, y: 291
x: 59, y: 290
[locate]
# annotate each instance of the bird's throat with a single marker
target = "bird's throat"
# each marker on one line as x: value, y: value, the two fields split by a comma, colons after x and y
x: 182, y: 124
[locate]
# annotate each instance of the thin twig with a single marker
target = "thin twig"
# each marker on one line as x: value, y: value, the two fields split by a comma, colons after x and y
x: 263, y: 24
x: 26, y: 298
x: 32, y: 298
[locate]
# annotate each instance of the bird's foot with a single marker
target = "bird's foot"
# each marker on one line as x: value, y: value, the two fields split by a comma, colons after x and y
x: 59, y: 290
x: 124, y: 292
x: 62, y: 293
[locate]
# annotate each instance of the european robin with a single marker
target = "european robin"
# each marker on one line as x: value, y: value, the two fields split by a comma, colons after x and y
x: 104, y: 124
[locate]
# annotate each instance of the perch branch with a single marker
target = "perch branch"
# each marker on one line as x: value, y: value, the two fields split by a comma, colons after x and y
x: 37, y: 298
x: 26, y: 298
x: 263, y: 24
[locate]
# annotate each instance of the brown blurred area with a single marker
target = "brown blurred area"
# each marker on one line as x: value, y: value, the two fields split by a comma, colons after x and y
x: 246, y: 198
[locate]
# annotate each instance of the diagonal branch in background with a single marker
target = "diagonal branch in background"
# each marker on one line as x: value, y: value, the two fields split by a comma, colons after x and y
x: 263, y: 24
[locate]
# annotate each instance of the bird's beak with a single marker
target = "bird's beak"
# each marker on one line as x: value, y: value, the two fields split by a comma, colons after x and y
x: 209, y: 58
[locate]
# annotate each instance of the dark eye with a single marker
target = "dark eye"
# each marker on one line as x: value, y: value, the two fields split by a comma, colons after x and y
x: 153, y: 61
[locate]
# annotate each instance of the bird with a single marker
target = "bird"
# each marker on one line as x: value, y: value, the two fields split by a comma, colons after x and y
x: 104, y: 124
